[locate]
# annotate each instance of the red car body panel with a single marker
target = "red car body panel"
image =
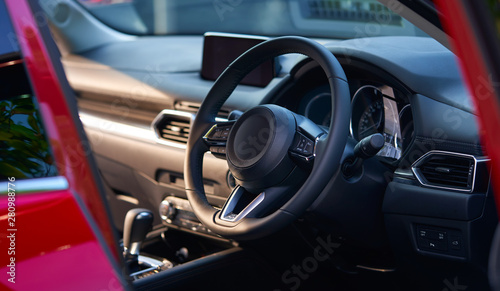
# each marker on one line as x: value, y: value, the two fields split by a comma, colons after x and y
x: 478, y: 79
x: 53, y: 245
x: 56, y: 246
x: 70, y: 155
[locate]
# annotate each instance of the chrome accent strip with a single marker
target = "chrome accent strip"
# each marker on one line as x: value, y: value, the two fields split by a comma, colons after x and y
x: 233, y: 200
x: 170, y: 112
x: 382, y: 270
x: 128, y: 199
x: 407, y: 175
x: 35, y: 185
x: 134, y: 248
x: 316, y: 140
x: 150, y: 135
x: 154, y: 265
x: 233, y: 35
x: 420, y: 177
x: 173, y: 113
x: 116, y: 128
x: 354, y: 98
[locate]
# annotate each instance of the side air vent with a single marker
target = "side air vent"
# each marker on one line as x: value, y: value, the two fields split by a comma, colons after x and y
x: 446, y: 170
x: 172, y: 127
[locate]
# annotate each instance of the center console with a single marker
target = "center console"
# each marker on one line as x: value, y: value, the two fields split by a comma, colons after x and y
x: 177, y: 213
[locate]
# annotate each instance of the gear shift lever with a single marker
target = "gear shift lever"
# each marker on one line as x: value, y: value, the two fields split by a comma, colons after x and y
x: 138, y: 222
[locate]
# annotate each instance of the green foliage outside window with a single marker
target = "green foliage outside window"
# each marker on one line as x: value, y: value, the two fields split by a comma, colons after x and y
x: 24, y: 150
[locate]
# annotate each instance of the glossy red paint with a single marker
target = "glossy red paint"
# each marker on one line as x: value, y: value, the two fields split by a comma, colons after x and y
x: 477, y: 76
x: 70, y: 153
x: 55, y: 248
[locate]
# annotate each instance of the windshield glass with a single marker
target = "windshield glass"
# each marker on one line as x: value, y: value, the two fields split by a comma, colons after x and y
x: 313, y: 18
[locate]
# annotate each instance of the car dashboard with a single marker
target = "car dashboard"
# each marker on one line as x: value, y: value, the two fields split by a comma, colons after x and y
x: 425, y: 195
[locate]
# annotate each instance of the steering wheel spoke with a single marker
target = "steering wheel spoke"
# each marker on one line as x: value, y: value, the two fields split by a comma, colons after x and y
x: 243, y: 204
x: 217, y: 136
x: 240, y: 204
x: 307, y: 135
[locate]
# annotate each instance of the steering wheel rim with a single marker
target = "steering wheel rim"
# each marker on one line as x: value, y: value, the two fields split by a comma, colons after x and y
x: 330, y: 149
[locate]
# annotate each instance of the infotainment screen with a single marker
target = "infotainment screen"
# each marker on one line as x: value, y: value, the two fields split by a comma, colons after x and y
x: 221, y: 49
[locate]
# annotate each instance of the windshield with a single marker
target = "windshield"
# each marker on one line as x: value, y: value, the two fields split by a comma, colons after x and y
x: 312, y: 18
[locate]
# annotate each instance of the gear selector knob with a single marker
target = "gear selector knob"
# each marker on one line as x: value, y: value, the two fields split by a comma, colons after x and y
x: 137, y: 224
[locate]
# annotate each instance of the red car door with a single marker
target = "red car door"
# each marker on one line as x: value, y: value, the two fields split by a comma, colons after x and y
x: 55, y: 230
x: 474, y: 35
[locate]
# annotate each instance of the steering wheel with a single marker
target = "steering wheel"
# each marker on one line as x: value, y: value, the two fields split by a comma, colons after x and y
x: 280, y: 160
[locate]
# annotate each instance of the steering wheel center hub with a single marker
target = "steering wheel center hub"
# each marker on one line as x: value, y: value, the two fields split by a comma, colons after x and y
x: 257, y: 147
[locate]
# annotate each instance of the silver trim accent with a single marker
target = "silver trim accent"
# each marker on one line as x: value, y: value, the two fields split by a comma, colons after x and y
x: 233, y: 200
x: 134, y: 132
x: 354, y: 99
x: 421, y: 179
x: 128, y: 199
x: 374, y: 269
x: 35, y: 185
x: 170, y: 112
x: 134, y: 248
x: 154, y: 265
x: 407, y: 175
x: 403, y: 110
x: 116, y: 128
x: 316, y: 145
x: 236, y: 35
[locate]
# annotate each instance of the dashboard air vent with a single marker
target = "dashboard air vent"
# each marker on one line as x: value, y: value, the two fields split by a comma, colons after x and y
x: 446, y: 170
x: 172, y: 126
x: 192, y: 107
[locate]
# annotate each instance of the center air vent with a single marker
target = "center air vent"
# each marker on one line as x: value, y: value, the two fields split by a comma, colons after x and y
x: 172, y: 127
x: 446, y: 170
x: 192, y: 107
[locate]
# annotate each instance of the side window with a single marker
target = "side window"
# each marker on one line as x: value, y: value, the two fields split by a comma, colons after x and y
x: 494, y: 6
x: 24, y: 148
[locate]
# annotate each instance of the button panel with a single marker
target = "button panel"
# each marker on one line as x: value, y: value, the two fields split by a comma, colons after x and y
x: 302, y: 145
x: 440, y: 240
x: 216, y: 138
x: 184, y: 217
x: 219, y: 133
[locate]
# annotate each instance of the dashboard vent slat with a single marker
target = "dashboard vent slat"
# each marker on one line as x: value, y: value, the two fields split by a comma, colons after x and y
x: 175, y: 130
x: 192, y: 107
x: 446, y: 170
x: 173, y: 126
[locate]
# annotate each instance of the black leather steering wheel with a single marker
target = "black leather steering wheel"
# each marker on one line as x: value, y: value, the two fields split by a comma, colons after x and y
x: 281, y: 160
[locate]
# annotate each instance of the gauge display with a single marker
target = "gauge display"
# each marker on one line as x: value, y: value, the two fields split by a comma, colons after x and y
x: 375, y: 110
x: 372, y: 119
x: 319, y: 109
x: 317, y: 106
x: 368, y: 116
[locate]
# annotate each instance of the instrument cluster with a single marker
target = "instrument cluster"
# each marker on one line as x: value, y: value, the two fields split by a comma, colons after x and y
x: 376, y: 108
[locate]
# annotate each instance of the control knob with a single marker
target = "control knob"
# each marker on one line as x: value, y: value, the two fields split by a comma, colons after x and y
x: 167, y: 211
